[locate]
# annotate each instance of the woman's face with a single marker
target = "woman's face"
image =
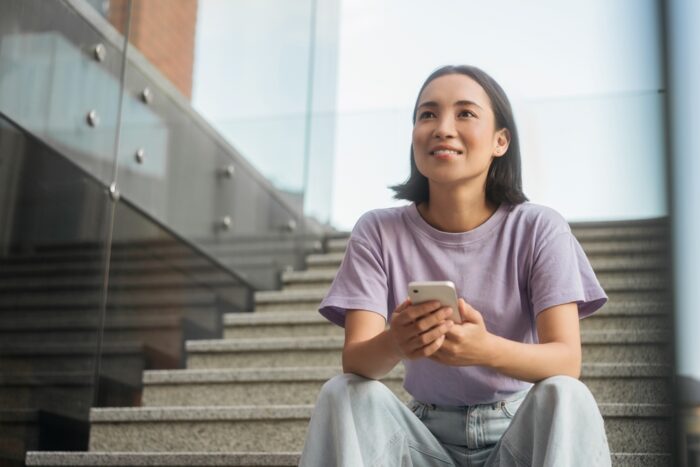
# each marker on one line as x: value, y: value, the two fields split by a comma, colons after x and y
x: 454, y: 137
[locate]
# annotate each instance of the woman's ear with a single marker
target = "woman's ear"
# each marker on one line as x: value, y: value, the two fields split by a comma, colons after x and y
x: 502, y: 141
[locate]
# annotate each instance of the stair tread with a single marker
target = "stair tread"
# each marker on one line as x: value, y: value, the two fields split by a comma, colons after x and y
x: 38, y: 378
x: 90, y: 322
x: 71, y: 348
x: 202, y: 413
x: 164, y: 458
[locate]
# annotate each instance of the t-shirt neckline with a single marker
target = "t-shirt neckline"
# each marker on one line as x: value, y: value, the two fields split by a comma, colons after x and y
x: 457, y: 238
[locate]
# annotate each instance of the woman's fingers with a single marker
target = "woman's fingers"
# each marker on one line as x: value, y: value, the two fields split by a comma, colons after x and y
x: 419, y: 330
x: 428, y: 337
x: 433, y: 319
x: 416, y: 312
x: 429, y: 349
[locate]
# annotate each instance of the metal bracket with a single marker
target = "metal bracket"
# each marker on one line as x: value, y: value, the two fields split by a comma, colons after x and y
x: 114, y: 192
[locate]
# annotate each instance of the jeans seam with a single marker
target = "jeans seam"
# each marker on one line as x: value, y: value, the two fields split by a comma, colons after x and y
x: 428, y: 452
x: 519, y: 458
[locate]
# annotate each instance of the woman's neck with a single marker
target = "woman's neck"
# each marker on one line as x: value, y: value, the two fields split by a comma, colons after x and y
x: 450, y: 213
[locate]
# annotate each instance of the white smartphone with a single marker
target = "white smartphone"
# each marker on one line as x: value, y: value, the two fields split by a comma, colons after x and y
x: 442, y: 291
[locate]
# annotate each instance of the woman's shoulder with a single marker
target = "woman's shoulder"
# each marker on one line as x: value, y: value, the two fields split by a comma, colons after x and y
x: 372, y: 223
x: 538, y: 218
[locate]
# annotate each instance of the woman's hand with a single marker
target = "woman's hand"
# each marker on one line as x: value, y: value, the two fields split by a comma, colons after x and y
x: 467, y: 343
x: 419, y: 330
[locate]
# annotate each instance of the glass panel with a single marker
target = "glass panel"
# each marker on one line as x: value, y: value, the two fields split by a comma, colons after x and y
x: 61, y: 70
x: 53, y: 230
x: 162, y: 292
x: 184, y: 175
x: 59, y: 94
x: 256, y: 93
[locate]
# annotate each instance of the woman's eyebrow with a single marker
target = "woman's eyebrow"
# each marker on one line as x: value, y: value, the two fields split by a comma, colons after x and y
x: 458, y: 103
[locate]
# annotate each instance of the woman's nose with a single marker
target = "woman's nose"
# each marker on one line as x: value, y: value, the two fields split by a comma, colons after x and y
x: 445, y: 128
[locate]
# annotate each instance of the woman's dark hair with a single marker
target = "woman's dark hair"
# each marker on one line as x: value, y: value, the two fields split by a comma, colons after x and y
x: 504, y: 179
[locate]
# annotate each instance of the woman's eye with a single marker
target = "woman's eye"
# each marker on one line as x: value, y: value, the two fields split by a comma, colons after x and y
x: 467, y: 113
x: 425, y: 114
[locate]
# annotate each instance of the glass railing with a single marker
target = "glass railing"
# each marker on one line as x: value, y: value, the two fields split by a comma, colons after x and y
x: 50, y: 298
x: 128, y: 222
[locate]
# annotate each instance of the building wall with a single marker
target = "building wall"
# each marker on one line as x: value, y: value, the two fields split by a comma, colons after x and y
x: 164, y: 32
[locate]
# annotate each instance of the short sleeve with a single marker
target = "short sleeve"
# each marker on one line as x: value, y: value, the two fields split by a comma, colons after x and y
x: 360, y: 284
x: 561, y: 273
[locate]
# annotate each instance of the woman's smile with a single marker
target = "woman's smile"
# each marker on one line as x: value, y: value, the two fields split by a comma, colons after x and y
x: 445, y: 152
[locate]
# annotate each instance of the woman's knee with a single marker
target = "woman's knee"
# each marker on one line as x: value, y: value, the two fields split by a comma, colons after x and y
x: 562, y: 387
x: 349, y: 385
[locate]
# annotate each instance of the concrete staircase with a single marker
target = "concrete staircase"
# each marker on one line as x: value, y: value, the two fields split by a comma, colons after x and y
x: 245, y: 400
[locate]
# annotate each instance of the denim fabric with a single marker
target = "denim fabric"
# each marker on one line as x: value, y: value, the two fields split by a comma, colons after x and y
x: 469, y: 433
x: 359, y: 422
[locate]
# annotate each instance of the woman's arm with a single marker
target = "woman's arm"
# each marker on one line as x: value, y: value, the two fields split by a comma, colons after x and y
x: 416, y: 331
x: 558, y: 351
x: 368, y: 350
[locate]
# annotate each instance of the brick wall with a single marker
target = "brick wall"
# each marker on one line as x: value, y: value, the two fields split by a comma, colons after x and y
x: 164, y: 32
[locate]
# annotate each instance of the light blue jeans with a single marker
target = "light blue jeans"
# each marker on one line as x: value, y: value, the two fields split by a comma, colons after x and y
x: 359, y: 422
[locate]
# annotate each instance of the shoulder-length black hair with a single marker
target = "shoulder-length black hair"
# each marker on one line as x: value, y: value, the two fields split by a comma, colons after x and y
x: 504, y: 179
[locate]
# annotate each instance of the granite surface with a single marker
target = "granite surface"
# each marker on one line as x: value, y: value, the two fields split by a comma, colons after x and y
x: 224, y: 435
x: 280, y: 343
x: 190, y: 414
x: 163, y: 459
x: 288, y: 296
x: 626, y: 353
x: 261, y: 331
x: 272, y: 359
x: 251, y: 319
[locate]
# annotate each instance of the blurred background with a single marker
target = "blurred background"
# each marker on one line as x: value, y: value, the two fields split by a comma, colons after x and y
x: 169, y: 158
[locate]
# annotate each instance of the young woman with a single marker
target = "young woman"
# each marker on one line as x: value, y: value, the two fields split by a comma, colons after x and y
x: 524, y: 282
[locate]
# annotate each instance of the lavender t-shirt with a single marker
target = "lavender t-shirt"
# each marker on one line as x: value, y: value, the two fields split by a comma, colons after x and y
x: 522, y: 260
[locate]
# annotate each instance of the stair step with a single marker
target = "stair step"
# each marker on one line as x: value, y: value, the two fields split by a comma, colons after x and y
x: 88, y: 321
x: 288, y: 300
x: 163, y: 331
x: 278, y: 324
x: 629, y: 383
x: 164, y: 459
x: 255, y: 386
x: 61, y: 393
x: 630, y: 428
x: 244, y: 459
x: 597, y: 346
x: 33, y: 302
x: 116, y: 317
x: 86, y: 269
x: 196, y: 429
x: 165, y: 253
x: 67, y: 283
x: 121, y: 361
